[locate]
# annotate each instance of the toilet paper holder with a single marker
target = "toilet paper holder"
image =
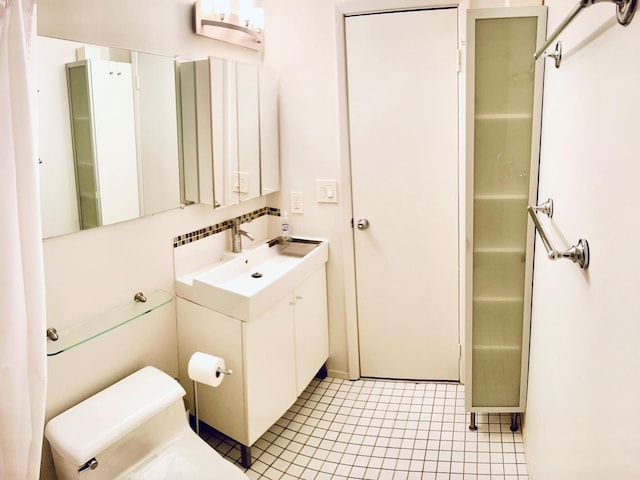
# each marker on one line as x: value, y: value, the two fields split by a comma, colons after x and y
x: 219, y: 370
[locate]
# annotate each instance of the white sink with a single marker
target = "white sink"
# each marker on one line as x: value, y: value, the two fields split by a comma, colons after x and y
x: 246, y: 284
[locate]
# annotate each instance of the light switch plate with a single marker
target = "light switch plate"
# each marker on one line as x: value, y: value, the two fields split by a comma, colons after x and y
x: 327, y: 191
x: 296, y: 202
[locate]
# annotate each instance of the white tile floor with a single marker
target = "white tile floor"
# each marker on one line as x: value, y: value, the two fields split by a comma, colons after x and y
x: 371, y: 429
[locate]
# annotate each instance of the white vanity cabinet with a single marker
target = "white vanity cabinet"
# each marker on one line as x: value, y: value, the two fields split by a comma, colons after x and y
x: 504, y: 101
x: 273, y: 357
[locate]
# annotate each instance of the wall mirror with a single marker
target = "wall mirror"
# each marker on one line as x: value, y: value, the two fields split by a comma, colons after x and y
x: 125, y: 134
x: 108, y: 135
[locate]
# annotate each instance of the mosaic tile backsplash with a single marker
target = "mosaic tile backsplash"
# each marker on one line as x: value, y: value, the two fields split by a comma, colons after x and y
x: 190, y: 237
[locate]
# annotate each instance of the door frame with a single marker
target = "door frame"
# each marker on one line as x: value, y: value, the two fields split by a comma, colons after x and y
x: 356, y: 7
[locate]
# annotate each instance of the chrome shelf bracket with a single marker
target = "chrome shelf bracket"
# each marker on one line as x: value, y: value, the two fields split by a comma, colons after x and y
x: 52, y: 334
x: 139, y: 297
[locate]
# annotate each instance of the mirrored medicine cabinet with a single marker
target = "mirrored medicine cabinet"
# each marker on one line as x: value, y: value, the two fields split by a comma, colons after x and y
x: 229, y: 111
x: 124, y: 134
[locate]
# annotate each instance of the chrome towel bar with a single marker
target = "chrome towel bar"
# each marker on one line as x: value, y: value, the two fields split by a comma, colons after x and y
x: 577, y: 253
x: 624, y: 12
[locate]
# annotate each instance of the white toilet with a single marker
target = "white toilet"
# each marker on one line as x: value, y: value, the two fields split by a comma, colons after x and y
x: 134, y: 429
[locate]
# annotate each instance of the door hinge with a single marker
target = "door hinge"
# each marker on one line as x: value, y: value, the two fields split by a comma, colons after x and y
x: 459, y: 60
x: 459, y: 351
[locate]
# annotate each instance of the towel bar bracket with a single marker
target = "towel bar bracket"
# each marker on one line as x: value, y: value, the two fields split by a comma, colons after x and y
x: 578, y: 253
x: 546, y: 208
x: 625, y: 11
x: 557, y: 54
x: 624, y: 14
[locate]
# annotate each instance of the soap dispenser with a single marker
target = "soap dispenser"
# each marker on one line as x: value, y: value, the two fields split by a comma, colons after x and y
x: 286, y: 237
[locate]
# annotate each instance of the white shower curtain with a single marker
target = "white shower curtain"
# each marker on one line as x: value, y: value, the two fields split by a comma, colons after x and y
x: 22, y: 302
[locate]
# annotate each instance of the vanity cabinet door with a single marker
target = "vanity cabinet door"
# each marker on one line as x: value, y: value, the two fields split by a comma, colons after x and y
x: 203, y: 330
x: 269, y: 358
x: 311, y: 328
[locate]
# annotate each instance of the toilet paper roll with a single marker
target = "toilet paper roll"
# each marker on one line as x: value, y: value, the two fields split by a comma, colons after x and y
x: 204, y: 368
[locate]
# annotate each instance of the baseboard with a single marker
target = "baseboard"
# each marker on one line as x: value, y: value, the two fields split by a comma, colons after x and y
x: 341, y: 374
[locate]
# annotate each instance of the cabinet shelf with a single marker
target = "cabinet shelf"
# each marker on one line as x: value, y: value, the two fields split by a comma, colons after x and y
x: 502, y: 197
x: 504, y: 116
x: 498, y: 250
x: 497, y: 348
x: 498, y: 299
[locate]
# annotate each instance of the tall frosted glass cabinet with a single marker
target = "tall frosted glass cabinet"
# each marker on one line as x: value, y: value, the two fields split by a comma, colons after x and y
x: 504, y: 96
x: 103, y: 130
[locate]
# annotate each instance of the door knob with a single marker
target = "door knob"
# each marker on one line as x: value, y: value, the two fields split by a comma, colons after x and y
x: 362, y: 224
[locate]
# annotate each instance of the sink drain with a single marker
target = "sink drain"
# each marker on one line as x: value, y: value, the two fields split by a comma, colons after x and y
x: 256, y: 275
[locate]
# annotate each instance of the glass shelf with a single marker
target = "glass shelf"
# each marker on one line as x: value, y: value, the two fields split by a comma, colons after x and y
x: 501, y: 197
x: 498, y: 299
x: 497, y: 348
x: 493, y: 250
x: 504, y: 116
x: 99, y: 325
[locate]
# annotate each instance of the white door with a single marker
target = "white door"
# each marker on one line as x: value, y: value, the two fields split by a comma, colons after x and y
x: 403, y: 120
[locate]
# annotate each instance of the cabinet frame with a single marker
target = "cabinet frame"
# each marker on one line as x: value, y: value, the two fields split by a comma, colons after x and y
x: 472, y: 16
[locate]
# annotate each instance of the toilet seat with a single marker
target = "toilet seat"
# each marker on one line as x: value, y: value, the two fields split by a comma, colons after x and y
x: 187, y: 458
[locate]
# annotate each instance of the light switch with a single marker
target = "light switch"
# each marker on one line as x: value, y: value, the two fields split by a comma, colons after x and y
x: 296, y: 202
x: 327, y: 191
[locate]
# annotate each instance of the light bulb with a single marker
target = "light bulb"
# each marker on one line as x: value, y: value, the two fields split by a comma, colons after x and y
x: 207, y: 7
x: 244, y: 11
x: 257, y: 18
x: 223, y: 8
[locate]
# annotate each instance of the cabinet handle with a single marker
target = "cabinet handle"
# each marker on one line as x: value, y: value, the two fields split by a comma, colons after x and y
x: 298, y: 298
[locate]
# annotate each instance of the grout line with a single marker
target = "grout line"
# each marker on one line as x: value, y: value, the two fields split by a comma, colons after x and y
x: 326, y: 435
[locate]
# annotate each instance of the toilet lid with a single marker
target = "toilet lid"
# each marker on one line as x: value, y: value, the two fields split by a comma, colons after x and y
x: 184, y: 462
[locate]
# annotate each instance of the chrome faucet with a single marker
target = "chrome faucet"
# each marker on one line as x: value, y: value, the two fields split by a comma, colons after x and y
x: 236, y: 236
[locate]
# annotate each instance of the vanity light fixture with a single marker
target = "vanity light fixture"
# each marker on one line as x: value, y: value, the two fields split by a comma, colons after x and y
x: 233, y: 21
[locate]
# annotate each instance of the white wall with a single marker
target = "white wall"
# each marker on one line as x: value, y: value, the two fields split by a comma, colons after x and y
x: 90, y: 272
x: 583, y: 356
x: 300, y: 44
x: 581, y: 421
x: 58, y: 199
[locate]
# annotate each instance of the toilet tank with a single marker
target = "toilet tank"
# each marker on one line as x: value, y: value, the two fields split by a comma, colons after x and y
x: 118, y: 426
